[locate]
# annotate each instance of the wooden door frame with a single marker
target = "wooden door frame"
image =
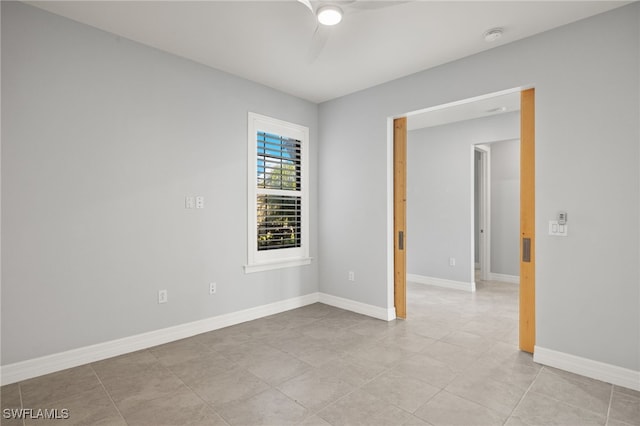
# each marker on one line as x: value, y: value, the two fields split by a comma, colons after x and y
x: 527, y: 323
x: 397, y: 285
x: 400, y: 216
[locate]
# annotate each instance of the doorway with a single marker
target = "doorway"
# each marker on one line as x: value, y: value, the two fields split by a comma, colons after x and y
x: 397, y: 286
x: 482, y: 212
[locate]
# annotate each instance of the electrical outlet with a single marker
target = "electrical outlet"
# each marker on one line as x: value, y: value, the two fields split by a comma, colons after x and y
x: 212, y: 288
x: 162, y: 296
x: 352, y: 276
x: 189, y: 202
x: 452, y: 261
x: 199, y: 202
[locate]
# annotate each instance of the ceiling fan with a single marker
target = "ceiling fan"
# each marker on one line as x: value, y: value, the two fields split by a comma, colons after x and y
x: 330, y: 13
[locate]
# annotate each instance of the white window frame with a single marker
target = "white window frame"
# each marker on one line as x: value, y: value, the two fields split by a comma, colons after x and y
x: 285, y: 257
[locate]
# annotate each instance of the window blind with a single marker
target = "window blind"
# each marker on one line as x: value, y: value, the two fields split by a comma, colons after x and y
x: 279, y: 197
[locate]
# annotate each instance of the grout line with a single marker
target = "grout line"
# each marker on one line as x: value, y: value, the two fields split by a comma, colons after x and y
x: 609, y: 408
x: 208, y: 404
x: 524, y: 395
x: 580, y: 379
x: 108, y: 394
x: 21, y: 402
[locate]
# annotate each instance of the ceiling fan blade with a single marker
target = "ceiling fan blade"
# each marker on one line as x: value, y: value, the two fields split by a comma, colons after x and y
x: 374, y: 4
x: 307, y: 3
x: 318, y: 41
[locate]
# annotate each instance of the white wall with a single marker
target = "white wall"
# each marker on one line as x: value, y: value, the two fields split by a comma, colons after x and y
x: 440, y: 194
x: 586, y: 77
x: 102, y: 139
x: 505, y: 208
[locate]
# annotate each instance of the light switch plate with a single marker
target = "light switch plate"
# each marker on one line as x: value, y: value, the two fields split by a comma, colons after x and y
x: 556, y: 229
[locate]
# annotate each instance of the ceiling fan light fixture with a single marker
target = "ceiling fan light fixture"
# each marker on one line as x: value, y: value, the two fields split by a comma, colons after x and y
x: 329, y: 15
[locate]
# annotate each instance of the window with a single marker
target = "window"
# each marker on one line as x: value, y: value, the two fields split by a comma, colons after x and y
x: 278, y: 194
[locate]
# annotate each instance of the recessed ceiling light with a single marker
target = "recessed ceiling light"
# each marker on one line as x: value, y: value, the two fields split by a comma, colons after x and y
x: 493, y: 34
x: 329, y: 15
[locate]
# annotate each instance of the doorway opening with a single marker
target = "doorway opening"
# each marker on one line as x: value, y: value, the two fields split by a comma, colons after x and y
x: 482, y: 212
x: 465, y: 257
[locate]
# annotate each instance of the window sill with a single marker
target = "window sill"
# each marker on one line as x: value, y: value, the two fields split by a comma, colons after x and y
x: 276, y: 264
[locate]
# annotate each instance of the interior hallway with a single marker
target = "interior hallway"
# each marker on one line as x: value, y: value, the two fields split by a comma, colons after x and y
x: 453, y: 362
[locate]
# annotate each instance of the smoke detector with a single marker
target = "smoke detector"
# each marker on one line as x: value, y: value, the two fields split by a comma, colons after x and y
x: 493, y: 34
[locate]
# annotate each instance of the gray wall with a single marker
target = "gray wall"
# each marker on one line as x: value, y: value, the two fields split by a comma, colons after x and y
x: 439, y: 193
x: 102, y: 139
x: 505, y: 207
x: 586, y: 77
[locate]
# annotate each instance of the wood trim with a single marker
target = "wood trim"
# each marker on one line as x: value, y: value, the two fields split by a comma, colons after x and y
x: 400, y: 215
x: 527, y: 220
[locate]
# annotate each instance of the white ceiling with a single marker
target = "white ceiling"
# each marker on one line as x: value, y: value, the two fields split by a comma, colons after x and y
x: 269, y: 41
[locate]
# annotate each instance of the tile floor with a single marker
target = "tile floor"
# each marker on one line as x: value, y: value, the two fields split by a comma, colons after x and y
x: 453, y: 362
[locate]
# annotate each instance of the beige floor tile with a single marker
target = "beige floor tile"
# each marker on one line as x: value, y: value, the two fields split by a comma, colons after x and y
x: 179, y: 351
x: 337, y: 339
x: 626, y: 391
x: 270, y: 407
x: 498, y: 396
x: 315, y: 420
x: 512, y: 374
x: 612, y: 422
x: 380, y: 355
x: 315, y: 389
x: 295, y: 343
x: 467, y: 340
x: 342, y: 368
x: 10, y: 396
x: 427, y: 369
x: 233, y: 385
x: 431, y: 329
x: 417, y: 421
x: 374, y: 327
x: 219, y: 340
x: 403, y: 391
x: 277, y: 368
x: 10, y: 400
x: 407, y: 341
x: 318, y: 356
x: 351, y: 370
x: 458, y: 358
x: 446, y: 409
x: 571, y: 389
x: 250, y: 352
x: 362, y: 408
x: 145, y: 385
x: 345, y: 320
x: 536, y: 410
x: 625, y: 407
x: 179, y: 407
x: 207, y: 365
x: 11, y: 419
x: 93, y: 407
x: 45, y: 391
x: 125, y: 365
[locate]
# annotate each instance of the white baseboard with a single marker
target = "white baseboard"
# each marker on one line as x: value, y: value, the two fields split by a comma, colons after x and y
x: 589, y: 368
x: 386, y: 314
x: 494, y: 276
x: 28, y: 369
x: 23, y: 370
x: 440, y: 282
